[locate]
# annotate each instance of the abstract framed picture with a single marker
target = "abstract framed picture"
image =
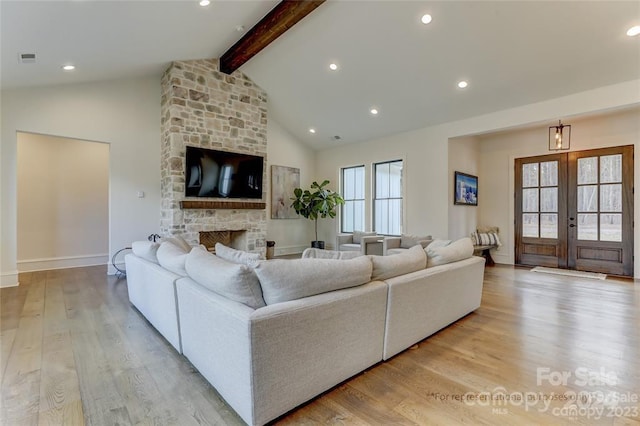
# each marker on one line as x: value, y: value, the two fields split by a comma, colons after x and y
x: 465, y: 189
x: 283, y: 181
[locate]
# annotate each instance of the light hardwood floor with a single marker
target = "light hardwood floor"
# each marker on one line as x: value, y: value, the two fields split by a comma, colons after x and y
x: 74, y: 352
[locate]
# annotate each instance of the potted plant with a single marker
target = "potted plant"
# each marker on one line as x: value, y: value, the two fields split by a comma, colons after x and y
x: 317, y: 202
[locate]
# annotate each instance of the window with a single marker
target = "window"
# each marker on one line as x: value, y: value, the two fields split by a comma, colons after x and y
x: 353, y: 194
x: 387, y: 203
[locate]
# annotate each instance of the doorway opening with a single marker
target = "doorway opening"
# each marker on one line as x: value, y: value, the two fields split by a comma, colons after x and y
x: 62, y: 202
x: 575, y: 210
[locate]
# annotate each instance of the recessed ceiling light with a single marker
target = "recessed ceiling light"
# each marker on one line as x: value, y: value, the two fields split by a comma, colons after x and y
x: 68, y: 67
x: 374, y: 111
x: 633, y: 31
x: 312, y: 130
x: 333, y: 67
x: 426, y: 18
x: 462, y: 84
x: 204, y: 3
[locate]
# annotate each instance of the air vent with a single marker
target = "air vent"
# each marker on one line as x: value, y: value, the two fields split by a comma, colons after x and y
x: 26, y: 58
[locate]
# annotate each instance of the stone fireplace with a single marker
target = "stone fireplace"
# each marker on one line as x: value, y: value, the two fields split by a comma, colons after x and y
x: 206, y: 108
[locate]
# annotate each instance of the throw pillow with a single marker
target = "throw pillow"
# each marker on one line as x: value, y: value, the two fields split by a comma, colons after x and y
x: 234, y: 281
x: 236, y: 256
x: 179, y: 241
x: 410, y: 260
x: 314, y: 253
x: 172, y: 258
x: 457, y: 250
x: 408, y: 241
x: 290, y: 279
x: 485, y: 239
x: 147, y: 250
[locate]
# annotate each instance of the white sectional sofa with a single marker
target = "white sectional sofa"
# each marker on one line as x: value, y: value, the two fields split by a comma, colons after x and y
x: 284, y: 331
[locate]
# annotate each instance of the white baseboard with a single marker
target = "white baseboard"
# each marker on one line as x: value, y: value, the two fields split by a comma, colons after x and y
x: 33, y: 265
x: 9, y: 279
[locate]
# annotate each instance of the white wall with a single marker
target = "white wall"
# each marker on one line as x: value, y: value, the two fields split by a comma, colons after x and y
x: 63, y: 202
x: 290, y: 235
x: 426, y: 152
x: 125, y: 114
x: 463, y: 157
x: 425, y: 185
x: 498, y: 152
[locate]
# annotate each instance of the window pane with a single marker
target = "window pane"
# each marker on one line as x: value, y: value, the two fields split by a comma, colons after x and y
x: 611, y: 168
x: 611, y: 198
x: 548, y: 199
x: 530, y: 200
x: 587, y: 200
x: 359, y: 183
x: 548, y: 226
x: 348, y: 180
x: 610, y: 227
x: 382, y: 216
x: 358, y: 215
x: 587, y: 170
x: 395, y: 217
x: 529, y: 175
x: 549, y: 173
x: 530, y: 225
x: 588, y: 227
x: 382, y: 180
x: 347, y: 216
x: 395, y: 170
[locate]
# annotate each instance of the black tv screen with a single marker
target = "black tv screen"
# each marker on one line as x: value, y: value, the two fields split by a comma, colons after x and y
x: 222, y: 174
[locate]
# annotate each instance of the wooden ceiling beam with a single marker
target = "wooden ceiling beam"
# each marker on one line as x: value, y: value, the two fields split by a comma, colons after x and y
x: 275, y: 23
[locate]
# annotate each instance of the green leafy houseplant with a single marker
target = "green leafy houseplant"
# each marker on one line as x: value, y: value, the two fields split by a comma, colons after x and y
x: 317, y: 202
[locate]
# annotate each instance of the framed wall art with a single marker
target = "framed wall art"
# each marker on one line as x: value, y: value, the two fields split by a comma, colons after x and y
x: 465, y: 189
x: 283, y: 181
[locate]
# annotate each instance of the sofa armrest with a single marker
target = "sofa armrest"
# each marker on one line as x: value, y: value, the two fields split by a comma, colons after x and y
x: 371, y: 245
x: 391, y: 242
x: 343, y: 239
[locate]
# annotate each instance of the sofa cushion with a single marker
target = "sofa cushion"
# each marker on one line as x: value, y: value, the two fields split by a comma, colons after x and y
x: 172, y: 258
x: 236, y: 256
x: 357, y: 236
x: 408, y: 241
x: 314, y: 253
x: 410, y: 260
x: 290, y: 279
x: 146, y: 249
x: 438, y: 243
x: 234, y: 281
x: 457, y: 250
x: 179, y: 241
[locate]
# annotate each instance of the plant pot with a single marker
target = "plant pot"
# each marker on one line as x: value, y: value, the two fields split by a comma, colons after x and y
x: 317, y: 244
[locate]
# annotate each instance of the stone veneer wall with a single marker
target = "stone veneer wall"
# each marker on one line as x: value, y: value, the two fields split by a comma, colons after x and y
x: 204, y: 107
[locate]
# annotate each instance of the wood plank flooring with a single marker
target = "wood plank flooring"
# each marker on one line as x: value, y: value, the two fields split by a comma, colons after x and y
x: 542, y: 349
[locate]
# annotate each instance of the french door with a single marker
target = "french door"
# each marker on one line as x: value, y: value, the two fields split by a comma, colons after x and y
x: 575, y: 210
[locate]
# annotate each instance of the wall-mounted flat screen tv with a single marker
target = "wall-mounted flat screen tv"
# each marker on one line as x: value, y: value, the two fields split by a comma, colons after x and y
x: 222, y: 174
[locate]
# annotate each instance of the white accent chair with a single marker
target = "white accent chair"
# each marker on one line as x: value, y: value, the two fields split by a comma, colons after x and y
x: 396, y: 245
x: 363, y: 242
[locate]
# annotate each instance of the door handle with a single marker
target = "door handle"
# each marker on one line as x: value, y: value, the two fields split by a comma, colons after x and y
x: 572, y: 225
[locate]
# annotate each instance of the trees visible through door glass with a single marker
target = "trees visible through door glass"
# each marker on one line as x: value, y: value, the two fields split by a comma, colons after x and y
x: 529, y: 175
x: 587, y: 170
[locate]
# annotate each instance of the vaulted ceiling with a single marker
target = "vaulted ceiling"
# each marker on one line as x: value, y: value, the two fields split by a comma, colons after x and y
x: 511, y: 53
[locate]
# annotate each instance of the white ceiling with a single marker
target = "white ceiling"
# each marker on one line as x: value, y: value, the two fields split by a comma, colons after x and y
x: 511, y: 52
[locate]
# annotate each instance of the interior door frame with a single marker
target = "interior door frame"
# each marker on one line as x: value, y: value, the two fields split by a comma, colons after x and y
x: 551, y: 252
x: 611, y: 252
x: 567, y: 246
